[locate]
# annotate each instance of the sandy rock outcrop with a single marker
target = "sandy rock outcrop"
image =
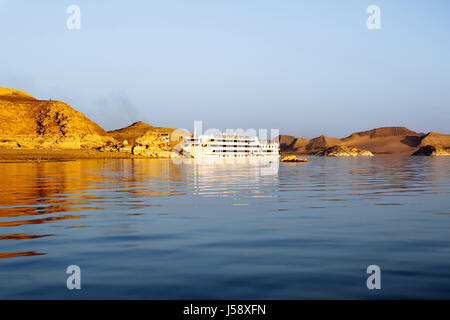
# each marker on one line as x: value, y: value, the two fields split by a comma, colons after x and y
x: 131, y: 133
x: 145, y: 140
x: 26, y: 122
x: 344, y: 151
x: 151, y: 144
x: 293, y: 158
x: 436, y: 139
x: 432, y: 151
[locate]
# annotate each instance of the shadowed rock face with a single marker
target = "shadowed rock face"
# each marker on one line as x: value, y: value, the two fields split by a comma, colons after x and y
x: 286, y: 142
x: 321, y: 143
x: 30, y: 123
x: 432, y: 151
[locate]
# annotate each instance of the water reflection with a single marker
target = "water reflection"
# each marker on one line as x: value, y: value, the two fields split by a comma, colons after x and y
x: 23, y: 236
x: 192, y: 218
x: 19, y: 254
x: 227, y: 176
x: 51, y: 190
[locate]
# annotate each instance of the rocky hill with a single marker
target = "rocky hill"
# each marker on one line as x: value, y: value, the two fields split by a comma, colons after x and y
x: 139, y: 129
x: 388, y: 140
x: 144, y: 139
x: 29, y: 123
x: 132, y: 132
x: 26, y: 122
x: 436, y: 139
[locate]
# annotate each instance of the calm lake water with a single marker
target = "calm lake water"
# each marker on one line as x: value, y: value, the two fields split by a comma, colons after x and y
x: 154, y: 229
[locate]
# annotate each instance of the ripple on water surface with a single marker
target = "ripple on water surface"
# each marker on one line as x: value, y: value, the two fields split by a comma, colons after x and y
x: 157, y: 229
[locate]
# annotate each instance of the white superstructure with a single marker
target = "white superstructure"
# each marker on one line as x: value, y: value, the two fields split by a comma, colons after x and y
x: 225, y: 146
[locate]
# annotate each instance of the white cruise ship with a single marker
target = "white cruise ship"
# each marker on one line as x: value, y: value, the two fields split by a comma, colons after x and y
x: 225, y: 146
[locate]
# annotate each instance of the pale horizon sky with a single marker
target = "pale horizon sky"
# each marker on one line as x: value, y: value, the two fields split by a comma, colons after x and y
x: 304, y: 67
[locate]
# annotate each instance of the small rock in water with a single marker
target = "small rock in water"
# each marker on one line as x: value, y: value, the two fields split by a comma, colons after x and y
x: 293, y: 159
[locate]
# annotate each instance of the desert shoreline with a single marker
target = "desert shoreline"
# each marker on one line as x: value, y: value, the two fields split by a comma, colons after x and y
x: 14, y: 155
x: 33, y: 155
x: 33, y: 129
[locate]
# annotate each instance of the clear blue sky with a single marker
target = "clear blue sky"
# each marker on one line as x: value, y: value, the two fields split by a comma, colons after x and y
x: 306, y: 67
